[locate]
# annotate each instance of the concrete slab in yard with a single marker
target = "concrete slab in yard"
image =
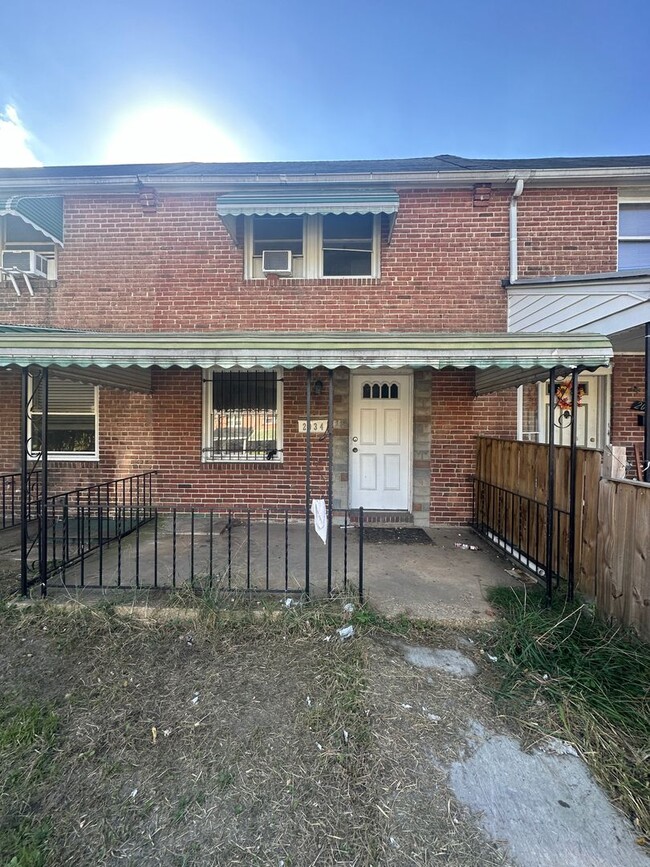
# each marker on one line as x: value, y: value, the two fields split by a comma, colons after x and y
x: 545, y: 806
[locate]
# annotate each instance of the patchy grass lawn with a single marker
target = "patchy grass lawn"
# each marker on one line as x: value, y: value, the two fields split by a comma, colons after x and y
x: 566, y: 671
x: 220, y: 740
x: 228, y: 738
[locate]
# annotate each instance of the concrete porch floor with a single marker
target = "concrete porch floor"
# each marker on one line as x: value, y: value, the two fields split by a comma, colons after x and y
x: 437, y: 581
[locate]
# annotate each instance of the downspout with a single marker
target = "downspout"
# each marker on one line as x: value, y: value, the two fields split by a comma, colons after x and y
x: 519, y: 188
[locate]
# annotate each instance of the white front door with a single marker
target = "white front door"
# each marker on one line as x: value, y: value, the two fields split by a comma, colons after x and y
x: 380, y: 441
x: 591, y: 431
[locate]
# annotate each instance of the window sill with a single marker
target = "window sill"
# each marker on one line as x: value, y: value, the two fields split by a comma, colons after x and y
x: 246, y: 461
x: 66, y: 458
x: 314, y: 281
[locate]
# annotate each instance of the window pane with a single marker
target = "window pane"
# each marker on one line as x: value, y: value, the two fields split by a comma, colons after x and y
x: 633, y: 254
x: 66, y: 433
x: 634, y: 220
x: 347, y: 245
x: 244, y: 414
x: 64, y: 396
x: 277, y: 233
x: 18, y: 231
x: 348, y: 229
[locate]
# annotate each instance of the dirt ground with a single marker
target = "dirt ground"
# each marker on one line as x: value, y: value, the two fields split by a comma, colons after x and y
x: 244, y: 734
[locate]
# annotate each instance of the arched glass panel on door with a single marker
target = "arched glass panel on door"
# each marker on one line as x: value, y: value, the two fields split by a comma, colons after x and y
x: 380, y: 390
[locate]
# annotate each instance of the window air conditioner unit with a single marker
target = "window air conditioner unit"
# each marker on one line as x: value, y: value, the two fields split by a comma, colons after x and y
x: 276, y: 261
x: 26, y: 262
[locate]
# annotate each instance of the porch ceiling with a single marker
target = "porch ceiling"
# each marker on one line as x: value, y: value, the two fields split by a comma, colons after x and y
x: 522, y: 355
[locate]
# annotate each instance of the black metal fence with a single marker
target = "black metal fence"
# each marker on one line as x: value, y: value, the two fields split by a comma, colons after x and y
x: 83, y: 521
x: 11, y: 493
x: 264, y: 551
x: 518, y: 525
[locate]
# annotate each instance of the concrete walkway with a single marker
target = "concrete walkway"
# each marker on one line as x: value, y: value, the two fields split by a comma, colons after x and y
x: 444, y: 577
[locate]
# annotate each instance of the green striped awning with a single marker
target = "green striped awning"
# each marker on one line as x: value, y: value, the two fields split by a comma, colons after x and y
x: 524, y: 356
x: 295, y: 201
x: 44, y: 213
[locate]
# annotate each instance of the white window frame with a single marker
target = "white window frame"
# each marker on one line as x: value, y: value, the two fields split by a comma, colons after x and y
x: 207, y: 456
x: 66, y: 456
x: 629, y: 199
x: 45, y: 248
x: 312, y: 251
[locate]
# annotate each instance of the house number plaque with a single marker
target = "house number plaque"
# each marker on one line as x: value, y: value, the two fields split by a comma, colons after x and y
x: 317, y: 425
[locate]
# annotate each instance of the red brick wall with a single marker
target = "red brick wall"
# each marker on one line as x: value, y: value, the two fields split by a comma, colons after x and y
x: 567, y: 231
x: 628, y: 384
x: 163, y: 432
x: 176, y: 268
x: 457, y: 419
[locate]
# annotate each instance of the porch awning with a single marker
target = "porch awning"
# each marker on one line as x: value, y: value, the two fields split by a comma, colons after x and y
x: 374, y: 200
x: 524, y: 357
x: 44, y: 213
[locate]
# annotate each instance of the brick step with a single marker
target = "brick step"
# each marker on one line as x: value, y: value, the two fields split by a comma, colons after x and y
x: 382, y: 518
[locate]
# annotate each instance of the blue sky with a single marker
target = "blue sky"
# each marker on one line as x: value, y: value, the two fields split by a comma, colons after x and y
x: 342, y: 79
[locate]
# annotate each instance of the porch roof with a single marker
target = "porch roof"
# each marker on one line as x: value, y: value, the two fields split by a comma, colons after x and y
x: 500, y: 359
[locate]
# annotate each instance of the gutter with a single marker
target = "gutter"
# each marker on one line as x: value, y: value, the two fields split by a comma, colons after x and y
x: 224, y: 182
x: 519, y: 188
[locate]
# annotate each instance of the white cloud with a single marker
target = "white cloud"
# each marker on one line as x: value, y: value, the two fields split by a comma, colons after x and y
x: 15, y: 149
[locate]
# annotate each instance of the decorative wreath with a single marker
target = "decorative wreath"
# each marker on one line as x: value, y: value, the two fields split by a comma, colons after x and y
x: 563, y: 396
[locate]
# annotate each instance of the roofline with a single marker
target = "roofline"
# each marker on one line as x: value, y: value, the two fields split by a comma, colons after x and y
x: 636, y: 275
x: 554, y: 177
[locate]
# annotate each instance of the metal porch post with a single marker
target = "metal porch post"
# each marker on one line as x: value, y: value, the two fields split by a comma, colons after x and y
x: 24, y: 478
x: 550, y: 501
x: 330, y: 475
x: 307, y: 480
x: 44, y: 480
x: 573, y: 481
x: 646, y: 429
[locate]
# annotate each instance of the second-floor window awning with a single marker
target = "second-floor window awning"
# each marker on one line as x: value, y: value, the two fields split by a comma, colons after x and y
x: 43, y: 213
x: 373, y: 200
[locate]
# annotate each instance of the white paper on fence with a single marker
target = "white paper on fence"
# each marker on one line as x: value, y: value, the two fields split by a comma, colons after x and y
x: 320, y: 518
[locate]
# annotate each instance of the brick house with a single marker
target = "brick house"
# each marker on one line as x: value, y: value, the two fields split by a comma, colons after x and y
x: 196, y: 319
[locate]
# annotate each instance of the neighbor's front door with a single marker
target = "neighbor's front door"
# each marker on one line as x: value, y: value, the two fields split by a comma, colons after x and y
x: 380, y: 441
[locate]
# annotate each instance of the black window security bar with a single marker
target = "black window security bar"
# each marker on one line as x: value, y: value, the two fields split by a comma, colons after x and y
x: 244, y: 416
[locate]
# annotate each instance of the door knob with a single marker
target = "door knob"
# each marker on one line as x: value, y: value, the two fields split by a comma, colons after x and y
x: 355, y: 449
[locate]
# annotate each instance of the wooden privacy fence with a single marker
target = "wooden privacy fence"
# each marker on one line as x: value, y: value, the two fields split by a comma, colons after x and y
x: 623, y: 566
x: 510, y: 505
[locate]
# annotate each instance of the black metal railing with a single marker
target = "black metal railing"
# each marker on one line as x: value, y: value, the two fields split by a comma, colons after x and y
x: 237, y: 549
x: 86, y: 519
x: 518, y: 525
x: 11, y: 498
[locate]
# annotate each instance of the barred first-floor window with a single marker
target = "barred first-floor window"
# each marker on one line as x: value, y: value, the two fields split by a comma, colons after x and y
x: 71, y: 420
x: 242, y: 416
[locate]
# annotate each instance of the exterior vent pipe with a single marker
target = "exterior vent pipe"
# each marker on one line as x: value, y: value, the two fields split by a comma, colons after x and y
x: 519, y: 188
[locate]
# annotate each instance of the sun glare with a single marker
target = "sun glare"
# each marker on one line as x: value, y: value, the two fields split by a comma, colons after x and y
x: 166, y: 134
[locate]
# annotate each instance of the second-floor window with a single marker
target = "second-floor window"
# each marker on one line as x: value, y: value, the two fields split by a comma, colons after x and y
x: 321, y: 245
x: 18, y: 236
x: 633, y: 235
